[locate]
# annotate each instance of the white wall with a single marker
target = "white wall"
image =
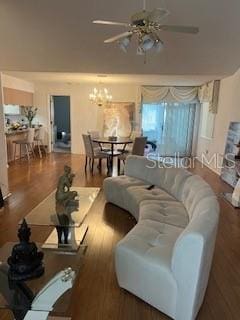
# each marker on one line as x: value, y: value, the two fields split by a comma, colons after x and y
x: 3, y: 150
x: 228, y: 110
x: 84, y: 115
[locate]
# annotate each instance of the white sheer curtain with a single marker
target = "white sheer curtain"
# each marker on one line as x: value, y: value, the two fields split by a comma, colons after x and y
x: 178, y: 129
x: 170, y: 126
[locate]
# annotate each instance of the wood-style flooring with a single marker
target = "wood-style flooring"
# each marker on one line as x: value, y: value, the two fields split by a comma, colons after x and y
x: 97, y: 295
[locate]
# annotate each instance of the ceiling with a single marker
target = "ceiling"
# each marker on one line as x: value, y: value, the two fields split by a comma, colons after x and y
x: 75, y: 78
x: 58, y: 36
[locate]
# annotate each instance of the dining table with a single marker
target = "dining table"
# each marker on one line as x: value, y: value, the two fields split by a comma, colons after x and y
x: 114, y: 151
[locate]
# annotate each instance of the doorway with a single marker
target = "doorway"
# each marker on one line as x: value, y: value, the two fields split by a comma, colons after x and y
x: 60, y: 124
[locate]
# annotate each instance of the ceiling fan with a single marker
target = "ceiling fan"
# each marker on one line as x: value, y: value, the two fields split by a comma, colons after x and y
x: 145, y: 25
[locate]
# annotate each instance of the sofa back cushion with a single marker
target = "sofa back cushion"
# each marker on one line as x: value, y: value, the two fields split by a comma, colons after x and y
x: 195, y: 189
x: 156, y: 173
x: 143, y: 168
x: 174, y: 181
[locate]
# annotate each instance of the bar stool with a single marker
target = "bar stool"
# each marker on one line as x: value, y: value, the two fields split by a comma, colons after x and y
x: 39, y: 138
x: 27, y: 143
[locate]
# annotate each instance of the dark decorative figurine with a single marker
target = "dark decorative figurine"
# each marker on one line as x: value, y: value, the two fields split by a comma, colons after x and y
x: 64, y: 195
x: 25, y: 263
x: 66, y: 204
x: 65, y: 221
x: 1, y: 199
x: 237, y: 157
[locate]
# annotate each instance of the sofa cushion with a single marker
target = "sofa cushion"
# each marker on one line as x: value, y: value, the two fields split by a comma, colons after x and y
x: 150, y: 236
x: 195, y: 190
x: 143, y: 262
x: 169, y: 212
x: 174, y: 180
x: 143, y: 168
x: 136, y: 194
x: 115, y: 189
x: 154, y: 172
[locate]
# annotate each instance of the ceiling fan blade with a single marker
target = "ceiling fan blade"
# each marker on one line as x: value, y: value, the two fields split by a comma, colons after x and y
x: 119, y: 36
x: 182, y: 29
x: 158, y: 14
x: 111, y: 23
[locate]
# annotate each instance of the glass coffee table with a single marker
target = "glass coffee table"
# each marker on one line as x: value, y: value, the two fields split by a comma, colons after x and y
x: 15, y: 297
x: 70, y: 228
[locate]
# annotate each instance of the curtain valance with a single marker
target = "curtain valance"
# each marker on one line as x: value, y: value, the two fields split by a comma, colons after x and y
x: 209, y: 92
x: 153, y: 94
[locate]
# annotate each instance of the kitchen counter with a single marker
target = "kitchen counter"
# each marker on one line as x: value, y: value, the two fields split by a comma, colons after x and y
x: 14, y: 132
x: 13, y: 135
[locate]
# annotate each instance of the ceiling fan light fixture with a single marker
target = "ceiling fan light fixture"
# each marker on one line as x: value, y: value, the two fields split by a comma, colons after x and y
x: 147, y: 42
x: 124, y: 44
x: 145, y: 26
x: 140, y: 51
x: 158, y: 46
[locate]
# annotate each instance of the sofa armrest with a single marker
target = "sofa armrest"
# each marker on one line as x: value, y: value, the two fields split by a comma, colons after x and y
x: 191, y: 264
x: 186, y: 268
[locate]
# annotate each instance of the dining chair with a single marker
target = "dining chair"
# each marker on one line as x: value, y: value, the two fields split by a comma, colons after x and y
x: 97, y: 147
x: 95, y: 134
x: 27, y: 143
x: 128, y: 148
x: 137, y: 149
x: 92, y: 154
x: 39, y: 140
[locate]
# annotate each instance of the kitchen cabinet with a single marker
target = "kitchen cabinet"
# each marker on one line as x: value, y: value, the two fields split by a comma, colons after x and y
x: 17, y: 97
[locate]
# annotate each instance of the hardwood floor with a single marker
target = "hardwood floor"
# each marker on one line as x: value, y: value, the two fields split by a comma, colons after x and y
x: 97, y: 295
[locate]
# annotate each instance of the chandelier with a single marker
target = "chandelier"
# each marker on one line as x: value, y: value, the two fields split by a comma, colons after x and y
x: 100, y: 97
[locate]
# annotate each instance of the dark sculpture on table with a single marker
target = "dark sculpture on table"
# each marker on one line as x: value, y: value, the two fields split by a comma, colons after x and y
x: 65, y: 222
x: 1, y: 199
x: 25, y: 262
x: 66, y: 204
x: 64, y: 195
x: 237, y: 157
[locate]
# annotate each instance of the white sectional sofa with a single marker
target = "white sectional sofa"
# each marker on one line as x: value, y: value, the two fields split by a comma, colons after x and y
x: 166, y: 258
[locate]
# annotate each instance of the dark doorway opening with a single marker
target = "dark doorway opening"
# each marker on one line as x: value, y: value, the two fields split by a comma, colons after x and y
x: 61, y: 124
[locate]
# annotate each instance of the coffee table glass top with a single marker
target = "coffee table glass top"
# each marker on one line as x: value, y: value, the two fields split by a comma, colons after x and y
x: 54, y: 263
x: 45, y: 214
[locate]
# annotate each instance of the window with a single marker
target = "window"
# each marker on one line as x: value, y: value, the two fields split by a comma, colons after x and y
x: 170, y: 126
x: 152, y: 121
